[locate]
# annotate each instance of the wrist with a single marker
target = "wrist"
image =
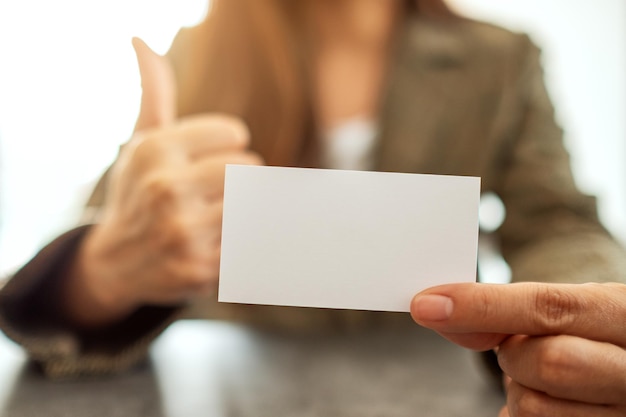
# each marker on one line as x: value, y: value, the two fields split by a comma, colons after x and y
x: 93, y: 296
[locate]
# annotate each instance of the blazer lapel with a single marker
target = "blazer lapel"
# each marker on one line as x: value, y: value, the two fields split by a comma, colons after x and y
x: 424, y: 79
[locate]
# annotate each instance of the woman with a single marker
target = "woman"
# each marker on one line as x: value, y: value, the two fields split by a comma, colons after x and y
x: 408, y: 86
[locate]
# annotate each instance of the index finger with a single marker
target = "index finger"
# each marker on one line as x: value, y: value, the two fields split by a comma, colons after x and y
x: 592, y: 311
x: 192, y: 138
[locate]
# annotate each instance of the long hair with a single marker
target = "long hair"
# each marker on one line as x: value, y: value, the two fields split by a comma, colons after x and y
x: 247, y: 58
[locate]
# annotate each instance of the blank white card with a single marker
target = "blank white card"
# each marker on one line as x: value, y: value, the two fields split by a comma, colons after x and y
x: 344, y: 239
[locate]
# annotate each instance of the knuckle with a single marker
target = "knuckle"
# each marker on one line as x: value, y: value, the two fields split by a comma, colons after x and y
x: 145, y: 148
x: 483, y: 300
x: 201, y: 273
x: 180, y: 236
x: 171, y: 270
x: 554, y: 364
x: 527, y: 403
x: 183, y: 273
x: 159, y: 191
x: 193, y: 265
x: 172, y: 237
x: 555, y: 310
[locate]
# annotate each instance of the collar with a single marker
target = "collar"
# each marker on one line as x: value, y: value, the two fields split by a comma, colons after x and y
x: 435, y: 43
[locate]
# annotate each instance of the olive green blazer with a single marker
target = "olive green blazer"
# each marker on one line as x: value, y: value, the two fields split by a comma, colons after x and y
x: 464, y: 99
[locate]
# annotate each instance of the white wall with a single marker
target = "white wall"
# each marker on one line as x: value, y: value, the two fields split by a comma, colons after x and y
x: 69, y: 95
x: 69, y: 89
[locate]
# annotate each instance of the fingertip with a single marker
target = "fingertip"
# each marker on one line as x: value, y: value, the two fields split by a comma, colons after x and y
x: 413, y: 309
x: 426, y: 308
x: 143, y: 52
x: 236, y: 129
x: 232, y: 128
x: 158, y: 84
x: 136, y: 41
x: 255, y: 158
x: 241, y: 132
x: 139, y: 45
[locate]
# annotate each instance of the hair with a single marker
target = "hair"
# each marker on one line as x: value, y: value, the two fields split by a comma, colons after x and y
x: 248, y: 58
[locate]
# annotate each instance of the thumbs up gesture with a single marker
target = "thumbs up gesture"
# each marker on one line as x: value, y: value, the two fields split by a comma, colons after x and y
x: 158, y: 85
x: 159, y: 239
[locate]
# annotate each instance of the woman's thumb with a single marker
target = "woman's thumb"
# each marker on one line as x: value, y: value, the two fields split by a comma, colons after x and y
x: 158, y: 98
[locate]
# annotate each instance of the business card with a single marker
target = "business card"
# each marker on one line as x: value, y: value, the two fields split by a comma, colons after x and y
x: 344, y: 239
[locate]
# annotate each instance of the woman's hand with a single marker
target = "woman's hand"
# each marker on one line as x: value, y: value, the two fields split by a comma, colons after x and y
x: 159, y: 238
x: 561, y: 347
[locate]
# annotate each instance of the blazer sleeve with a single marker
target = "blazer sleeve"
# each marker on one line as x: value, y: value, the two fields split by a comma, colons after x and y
x: 31, y: 315
x: 551, y: 232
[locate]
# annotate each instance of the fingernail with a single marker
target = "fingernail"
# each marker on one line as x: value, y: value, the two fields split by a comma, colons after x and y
x: 432, y: 307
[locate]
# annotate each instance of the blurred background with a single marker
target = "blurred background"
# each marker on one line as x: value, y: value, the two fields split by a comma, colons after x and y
x: 70, y: 90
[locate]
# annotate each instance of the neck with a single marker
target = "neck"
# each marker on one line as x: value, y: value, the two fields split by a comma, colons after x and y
x: 355, y: 23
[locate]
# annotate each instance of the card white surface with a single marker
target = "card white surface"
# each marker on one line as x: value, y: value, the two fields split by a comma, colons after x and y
x: 344, y: 239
